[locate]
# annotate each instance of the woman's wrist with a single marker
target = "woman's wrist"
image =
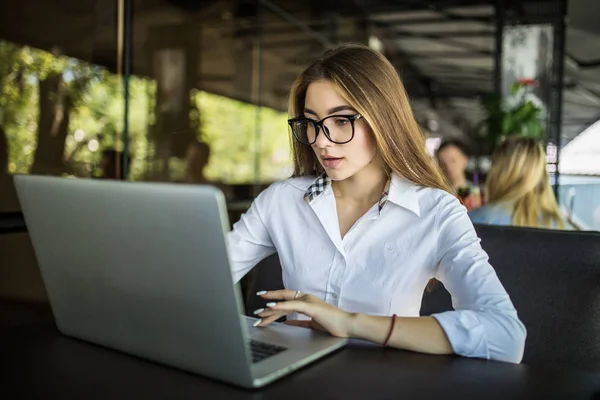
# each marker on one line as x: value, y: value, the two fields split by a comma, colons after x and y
x: 352, y: 325
x: 421, y: 334
x: 367, y: 327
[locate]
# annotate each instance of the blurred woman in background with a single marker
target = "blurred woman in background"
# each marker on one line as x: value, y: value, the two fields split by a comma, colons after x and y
x: 518, y: 188
x: 197, y: 157
x: 453, y: 158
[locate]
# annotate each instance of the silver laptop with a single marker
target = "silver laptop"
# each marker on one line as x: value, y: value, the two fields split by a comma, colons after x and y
x: 143, y: 268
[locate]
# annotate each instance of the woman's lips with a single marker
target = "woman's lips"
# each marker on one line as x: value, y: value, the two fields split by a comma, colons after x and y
x: 331, y: 162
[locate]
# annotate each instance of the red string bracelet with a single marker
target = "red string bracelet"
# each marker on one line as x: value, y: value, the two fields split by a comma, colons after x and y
x: 389, y: 335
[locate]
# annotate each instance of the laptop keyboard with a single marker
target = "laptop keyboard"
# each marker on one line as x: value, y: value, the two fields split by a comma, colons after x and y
x: 261, y: 350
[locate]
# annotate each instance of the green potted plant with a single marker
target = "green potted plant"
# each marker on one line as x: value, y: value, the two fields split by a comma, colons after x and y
x: 518, y: 114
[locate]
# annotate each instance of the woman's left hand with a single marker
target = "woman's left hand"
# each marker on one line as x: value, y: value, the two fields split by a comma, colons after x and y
x: 324, y: 316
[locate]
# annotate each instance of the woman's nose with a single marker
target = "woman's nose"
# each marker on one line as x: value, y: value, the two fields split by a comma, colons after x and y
x: 322, y: 141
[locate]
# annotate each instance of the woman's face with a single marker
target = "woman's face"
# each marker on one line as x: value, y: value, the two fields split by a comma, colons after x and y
x: 341, y: 161
x: 453, y: 163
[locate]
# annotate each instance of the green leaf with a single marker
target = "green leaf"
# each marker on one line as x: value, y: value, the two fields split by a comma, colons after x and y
x: 515, y: 87
x: 507, y: 124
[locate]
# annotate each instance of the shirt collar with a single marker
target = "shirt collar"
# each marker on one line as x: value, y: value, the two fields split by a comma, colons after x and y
x: 323, y: 182
x: 404, y: 193
x: 317, y: 188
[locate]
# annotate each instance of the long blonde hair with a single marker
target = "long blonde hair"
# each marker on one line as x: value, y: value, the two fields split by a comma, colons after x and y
x: 371, y: 85
x: 518, y: 177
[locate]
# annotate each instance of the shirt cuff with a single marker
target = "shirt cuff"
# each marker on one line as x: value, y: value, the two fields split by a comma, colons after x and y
x: 465, y: 332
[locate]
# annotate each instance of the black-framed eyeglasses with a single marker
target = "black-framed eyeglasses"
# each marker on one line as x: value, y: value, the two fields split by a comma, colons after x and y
x: 339, y: 129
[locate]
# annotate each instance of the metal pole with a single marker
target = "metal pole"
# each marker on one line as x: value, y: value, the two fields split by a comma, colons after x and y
x: 126, y: 75
x: 124, y: 61
x: 498, y: 44
x: 558, y: 66
x: 257, y: 89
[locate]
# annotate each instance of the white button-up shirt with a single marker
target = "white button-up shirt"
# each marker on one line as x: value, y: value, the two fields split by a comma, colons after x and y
x: 382, y: 265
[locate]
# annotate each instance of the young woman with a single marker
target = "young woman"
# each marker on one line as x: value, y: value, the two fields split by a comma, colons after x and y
x: 518, y: 188
x: 453, y: 158
x: 367, y: 221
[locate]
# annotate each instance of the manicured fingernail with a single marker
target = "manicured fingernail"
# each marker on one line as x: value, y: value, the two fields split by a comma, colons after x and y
x: 257, y: 322
x: 271, y: 304
x: 259, y: 311
x: 261, y: 292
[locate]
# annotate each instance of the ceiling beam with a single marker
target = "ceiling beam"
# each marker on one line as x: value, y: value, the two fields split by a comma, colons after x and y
x: 460, y: 69
x: 585, y: 64
x: 446, y: 34
x: 305, y: 28
x: 434, y: 20
x: 457, y: 74
x: 275, y: 44
x: 451, y: 54
x: 436, y: 7
x: 446, y: 40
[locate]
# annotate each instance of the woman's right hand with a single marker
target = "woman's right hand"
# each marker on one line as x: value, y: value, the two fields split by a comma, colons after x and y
x: 266, y: 314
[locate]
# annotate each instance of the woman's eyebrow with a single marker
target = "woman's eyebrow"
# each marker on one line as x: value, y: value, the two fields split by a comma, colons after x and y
x: 331, y: 110
x: 309, y: 111
x: 340, y: 108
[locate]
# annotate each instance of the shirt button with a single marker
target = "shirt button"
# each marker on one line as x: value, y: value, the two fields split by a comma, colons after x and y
x: 334, y: 296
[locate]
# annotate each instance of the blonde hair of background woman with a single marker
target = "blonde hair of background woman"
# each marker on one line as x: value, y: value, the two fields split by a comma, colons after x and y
x: 518, y: 176
x: 371, y: 85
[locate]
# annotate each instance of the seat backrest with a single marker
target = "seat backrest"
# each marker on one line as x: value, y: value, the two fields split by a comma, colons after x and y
x: 553, y: 279
x: 266, y: 275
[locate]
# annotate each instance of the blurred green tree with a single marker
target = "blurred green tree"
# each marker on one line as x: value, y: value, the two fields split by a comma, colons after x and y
x: 58, y: 113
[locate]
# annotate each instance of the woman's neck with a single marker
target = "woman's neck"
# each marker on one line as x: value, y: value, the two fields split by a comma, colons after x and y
x: 364, y: 187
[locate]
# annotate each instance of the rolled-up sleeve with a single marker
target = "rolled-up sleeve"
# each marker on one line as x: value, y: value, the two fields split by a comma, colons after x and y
x: 485, y: 323
x: 249, y: 241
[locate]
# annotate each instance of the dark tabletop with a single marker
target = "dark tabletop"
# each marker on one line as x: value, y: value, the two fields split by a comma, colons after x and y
x: 36, y: 361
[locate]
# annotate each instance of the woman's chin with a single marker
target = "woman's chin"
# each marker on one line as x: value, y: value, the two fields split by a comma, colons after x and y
x: 336, y: 174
